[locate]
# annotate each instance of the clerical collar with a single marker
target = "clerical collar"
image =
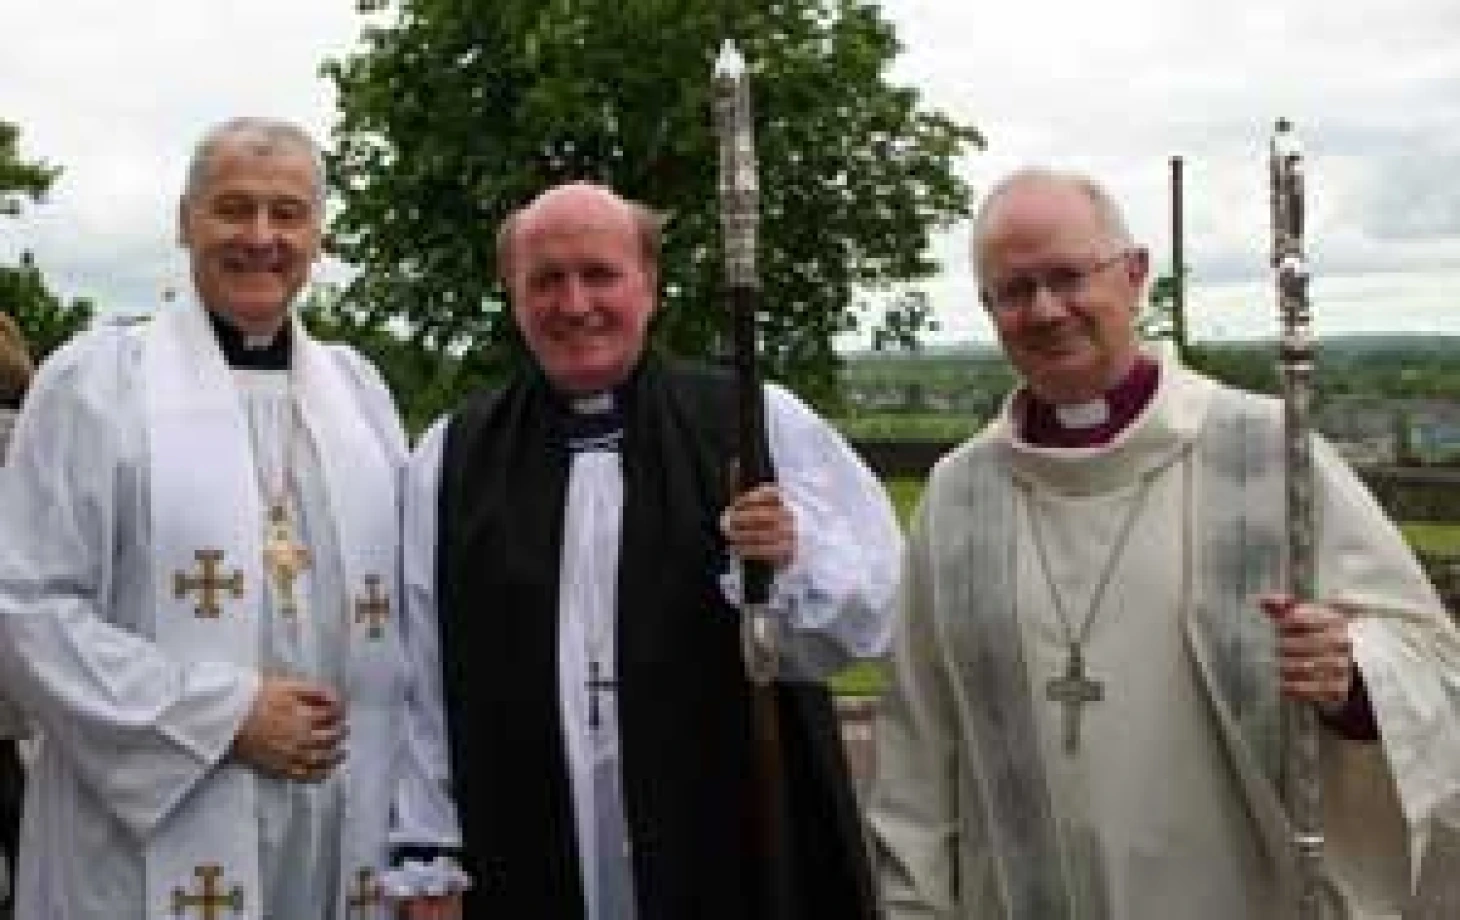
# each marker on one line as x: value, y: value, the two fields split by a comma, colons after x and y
x: 1094, y: 423
x: 593, y: 423
x: 262, y: 353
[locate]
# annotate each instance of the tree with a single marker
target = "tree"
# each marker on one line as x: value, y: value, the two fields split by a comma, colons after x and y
x: 45, y: 319
x: 461, y: 110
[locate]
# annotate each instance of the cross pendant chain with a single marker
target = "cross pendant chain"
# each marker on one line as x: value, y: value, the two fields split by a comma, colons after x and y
x: 1072, y: 690
x: 284, y: 558
x: 597, y: 684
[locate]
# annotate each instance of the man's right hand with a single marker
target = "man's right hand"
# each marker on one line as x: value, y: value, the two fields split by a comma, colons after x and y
x: 295, y: 729
x: 428, y: 907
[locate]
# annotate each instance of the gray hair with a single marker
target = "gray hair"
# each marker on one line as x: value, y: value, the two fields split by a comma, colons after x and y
x: 1107, y: 210
x: 262, y: 137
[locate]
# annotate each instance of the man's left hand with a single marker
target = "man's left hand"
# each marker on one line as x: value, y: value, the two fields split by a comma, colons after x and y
x: 759, y: 525
x: 1315, y: 655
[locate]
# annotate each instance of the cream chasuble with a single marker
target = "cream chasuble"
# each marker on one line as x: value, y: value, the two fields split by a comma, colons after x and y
x: 221, y: 840
x: 1166, y: 806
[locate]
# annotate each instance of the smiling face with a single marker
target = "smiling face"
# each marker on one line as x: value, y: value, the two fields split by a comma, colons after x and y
x: 582, y: 286
x: 252, y: 228
x: 1062, y: 285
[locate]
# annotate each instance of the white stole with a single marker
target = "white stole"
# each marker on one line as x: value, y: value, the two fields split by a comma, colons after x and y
x: 205, y: 496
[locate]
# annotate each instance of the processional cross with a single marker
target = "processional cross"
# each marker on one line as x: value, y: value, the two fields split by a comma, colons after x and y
x: 208, y: 583
x: 1073, y: 689
x: 373, y: 608
x: 211, y: 899
x: 366, y: 894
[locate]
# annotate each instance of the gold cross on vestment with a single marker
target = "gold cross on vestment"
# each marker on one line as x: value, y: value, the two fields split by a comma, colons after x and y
x: 366, y: 894
x: 284, y: 559
x: 208, y: 583
x: 373, y: 608
x: 1073, y: 689
x: 211, y: 899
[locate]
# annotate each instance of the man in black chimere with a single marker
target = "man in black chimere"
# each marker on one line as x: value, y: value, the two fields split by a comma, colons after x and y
x: 583, y: 738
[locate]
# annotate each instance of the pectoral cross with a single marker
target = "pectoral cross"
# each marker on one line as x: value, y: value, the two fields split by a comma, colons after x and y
x: 284, y: 559
x: 367, y: 894
x: 211, y: 899
x: 596, y: 685
x: 1073, y: 689
x: 208, y: 583
x: 373, y: 608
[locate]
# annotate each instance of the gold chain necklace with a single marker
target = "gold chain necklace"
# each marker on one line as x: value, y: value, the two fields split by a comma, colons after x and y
x: 1073, y: 688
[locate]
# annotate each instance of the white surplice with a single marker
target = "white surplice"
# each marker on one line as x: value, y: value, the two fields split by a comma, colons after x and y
x: 137, y: 449
x: 834, y: 604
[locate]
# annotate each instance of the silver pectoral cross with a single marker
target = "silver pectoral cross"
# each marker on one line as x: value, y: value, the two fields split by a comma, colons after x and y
x: 1073, y: 689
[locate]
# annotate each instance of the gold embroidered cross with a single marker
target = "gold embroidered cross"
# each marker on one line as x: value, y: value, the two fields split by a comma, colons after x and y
x: 208, y: 583
x: 367, y: 894
x: 373, y: 608
x: 211, y: 899
x: 284, y: 559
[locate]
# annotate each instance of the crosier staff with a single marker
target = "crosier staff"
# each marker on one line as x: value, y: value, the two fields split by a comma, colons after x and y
x: 739, y: 215
x: 1302, y: 779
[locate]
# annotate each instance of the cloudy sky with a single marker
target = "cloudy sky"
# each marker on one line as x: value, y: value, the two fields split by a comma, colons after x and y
x: 1114, y: 88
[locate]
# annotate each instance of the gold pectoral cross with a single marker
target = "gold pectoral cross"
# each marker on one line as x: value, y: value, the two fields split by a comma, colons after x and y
x: 211, y: 899
x: 284, y: 559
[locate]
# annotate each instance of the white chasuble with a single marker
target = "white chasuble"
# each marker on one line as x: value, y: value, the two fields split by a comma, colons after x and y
x: 326, y: 842
x: 134, y: 625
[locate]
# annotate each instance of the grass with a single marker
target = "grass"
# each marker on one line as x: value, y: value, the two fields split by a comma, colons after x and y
x: 1435, y: 539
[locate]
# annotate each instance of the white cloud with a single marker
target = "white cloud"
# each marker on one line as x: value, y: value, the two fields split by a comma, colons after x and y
x: 117, y: 94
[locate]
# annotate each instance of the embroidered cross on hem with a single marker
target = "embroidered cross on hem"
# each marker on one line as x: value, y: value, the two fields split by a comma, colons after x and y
x: 211, y: 899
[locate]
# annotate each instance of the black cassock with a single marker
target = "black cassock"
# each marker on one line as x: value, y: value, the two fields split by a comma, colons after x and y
x: 684, y: 703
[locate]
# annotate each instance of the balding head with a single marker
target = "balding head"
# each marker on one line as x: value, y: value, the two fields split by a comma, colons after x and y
x: 586, y: 205
x: 579, y: 263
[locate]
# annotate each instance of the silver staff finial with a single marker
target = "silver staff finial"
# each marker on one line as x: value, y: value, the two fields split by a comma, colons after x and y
x: 739, y: 186
x: 730, y: 65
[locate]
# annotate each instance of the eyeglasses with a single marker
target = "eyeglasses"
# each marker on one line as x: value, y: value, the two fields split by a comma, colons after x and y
x: 1063, y: 281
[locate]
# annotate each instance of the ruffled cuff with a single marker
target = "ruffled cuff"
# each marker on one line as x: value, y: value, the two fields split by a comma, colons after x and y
x: 439, y: 877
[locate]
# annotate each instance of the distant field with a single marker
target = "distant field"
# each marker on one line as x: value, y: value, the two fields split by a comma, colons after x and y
x: 919, y: 426
x: 869, y: 677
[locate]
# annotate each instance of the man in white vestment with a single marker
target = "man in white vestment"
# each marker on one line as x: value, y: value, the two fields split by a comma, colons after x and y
x: 1084, y: 715
x: 583, y: 741
x: 15, y: 374
x: 199, y: 583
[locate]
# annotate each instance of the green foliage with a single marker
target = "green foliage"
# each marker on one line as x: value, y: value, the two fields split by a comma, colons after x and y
x: 461, y: 110
x: 423, y: 382
x: 20, y: 180
x: 44, y: 319
x: 1161, y: 319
